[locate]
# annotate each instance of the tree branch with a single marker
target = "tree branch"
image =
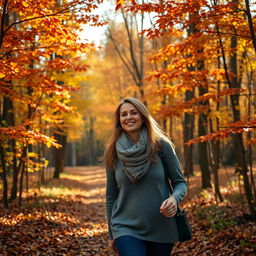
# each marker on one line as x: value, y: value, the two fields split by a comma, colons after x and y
x: 121, y: 57
x: 2, y: 32
x: 250, y: 21
x: 226, y: 33
x: 65, y: 10
x: 134, y: 62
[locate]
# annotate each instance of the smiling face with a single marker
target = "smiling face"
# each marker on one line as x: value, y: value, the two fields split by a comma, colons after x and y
x: 130, y: 119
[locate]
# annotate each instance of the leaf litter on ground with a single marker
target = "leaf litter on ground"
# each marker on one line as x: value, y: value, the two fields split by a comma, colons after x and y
x: 67, y: 217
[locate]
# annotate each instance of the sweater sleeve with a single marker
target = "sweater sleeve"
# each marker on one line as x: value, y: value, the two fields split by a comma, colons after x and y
x: 111, y: 196
x: 174, y: 173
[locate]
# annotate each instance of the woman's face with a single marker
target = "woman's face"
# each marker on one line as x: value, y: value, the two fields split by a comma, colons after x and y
x: 130, y: 118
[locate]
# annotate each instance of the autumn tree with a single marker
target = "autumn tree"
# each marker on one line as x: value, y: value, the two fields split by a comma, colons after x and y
x: 30, y: 33
x: 131, y: 51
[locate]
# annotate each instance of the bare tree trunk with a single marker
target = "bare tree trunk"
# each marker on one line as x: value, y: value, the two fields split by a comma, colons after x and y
x: 214, y: 149
x: 202, y: 130
x: 134, y: 64
x: 188, y: 133
x: 22, y: 167
x: 59, y: 153
x: 7, y: 119
x: 91, y: 153
x: 214, y: 160
x: 249, y: 134
x: 26, y: 172
x: 202, y: 153
x: 30, y: 113
x: 15, y: 174
x: 189, y: 118
x: 250, y: 23
x: 4, y: 177
x: 3, y: 21
x: 73, y: 154
x: 43, y: 156
x: 253, y: 187
x: 21, y: 182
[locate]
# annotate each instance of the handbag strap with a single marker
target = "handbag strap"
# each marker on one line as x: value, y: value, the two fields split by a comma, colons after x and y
x: 160, y: 154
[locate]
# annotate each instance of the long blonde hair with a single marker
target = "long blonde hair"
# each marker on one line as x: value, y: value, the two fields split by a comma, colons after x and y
x: 155, y: 133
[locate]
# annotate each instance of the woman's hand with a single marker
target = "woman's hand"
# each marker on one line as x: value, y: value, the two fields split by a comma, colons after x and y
x: 169, y: 207
x: 112, y: 247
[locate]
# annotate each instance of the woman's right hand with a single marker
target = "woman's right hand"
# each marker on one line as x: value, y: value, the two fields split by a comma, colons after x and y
x: 112, y: 247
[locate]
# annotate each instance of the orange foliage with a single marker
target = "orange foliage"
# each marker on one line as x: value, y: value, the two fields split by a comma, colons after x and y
x: 38, y: 41
x: 29, y: 136
x: 237, y: 127
x: 192, y: 31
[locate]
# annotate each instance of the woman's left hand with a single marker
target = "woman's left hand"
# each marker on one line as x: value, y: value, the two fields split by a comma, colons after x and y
x: 169, y: 207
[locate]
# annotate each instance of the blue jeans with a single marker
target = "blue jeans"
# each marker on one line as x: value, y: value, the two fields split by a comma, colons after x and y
x: 132, y: 246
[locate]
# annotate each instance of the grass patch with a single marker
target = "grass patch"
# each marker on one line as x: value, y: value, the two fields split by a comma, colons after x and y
x: 245, y: 243
x: 215, y: 217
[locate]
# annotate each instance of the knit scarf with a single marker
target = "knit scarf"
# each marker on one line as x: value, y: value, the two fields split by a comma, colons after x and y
x: 135, y: 158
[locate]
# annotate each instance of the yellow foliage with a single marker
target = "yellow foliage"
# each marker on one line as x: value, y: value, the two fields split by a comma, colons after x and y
x: 75, y: 126
x: 209, y: 232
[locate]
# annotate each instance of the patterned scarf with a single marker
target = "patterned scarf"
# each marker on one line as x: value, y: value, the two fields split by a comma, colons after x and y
x: 135, y: 158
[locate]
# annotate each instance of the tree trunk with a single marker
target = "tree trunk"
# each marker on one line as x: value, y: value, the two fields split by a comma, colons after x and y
x: 249, y: 137
x: 8, y: 120
x: 22, y: 167
x: 42, y: 174
x: 203, y: 130
x: 188, y: 133
x: 189, y: 119
x: 91, y: 154
x: 4, y: 177
x: 21, y: 182
x: 250, y: 23
x: 73, y: 154
x: 203, y: 155
x: 214, y: 160
x: 241, y: 168
x: 214, y: 148
x: 250, y: 160
x: 59, y: 154
x: 15, y: 174
x: 215, y: 153
x: 4, y: 18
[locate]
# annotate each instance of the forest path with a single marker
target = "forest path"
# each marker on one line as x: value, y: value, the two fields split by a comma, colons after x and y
x: 67, y: 217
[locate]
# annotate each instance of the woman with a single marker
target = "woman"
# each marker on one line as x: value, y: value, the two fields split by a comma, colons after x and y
x: 139, y: 206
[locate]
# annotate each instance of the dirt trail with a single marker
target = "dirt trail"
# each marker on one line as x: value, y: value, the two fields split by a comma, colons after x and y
x: 67, y: 217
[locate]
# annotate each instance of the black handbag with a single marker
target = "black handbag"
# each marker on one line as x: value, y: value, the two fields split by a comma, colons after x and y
x: 184, y: 228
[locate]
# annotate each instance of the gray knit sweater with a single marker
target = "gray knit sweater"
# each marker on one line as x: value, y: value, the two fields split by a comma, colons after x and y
x: 134, y: 209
